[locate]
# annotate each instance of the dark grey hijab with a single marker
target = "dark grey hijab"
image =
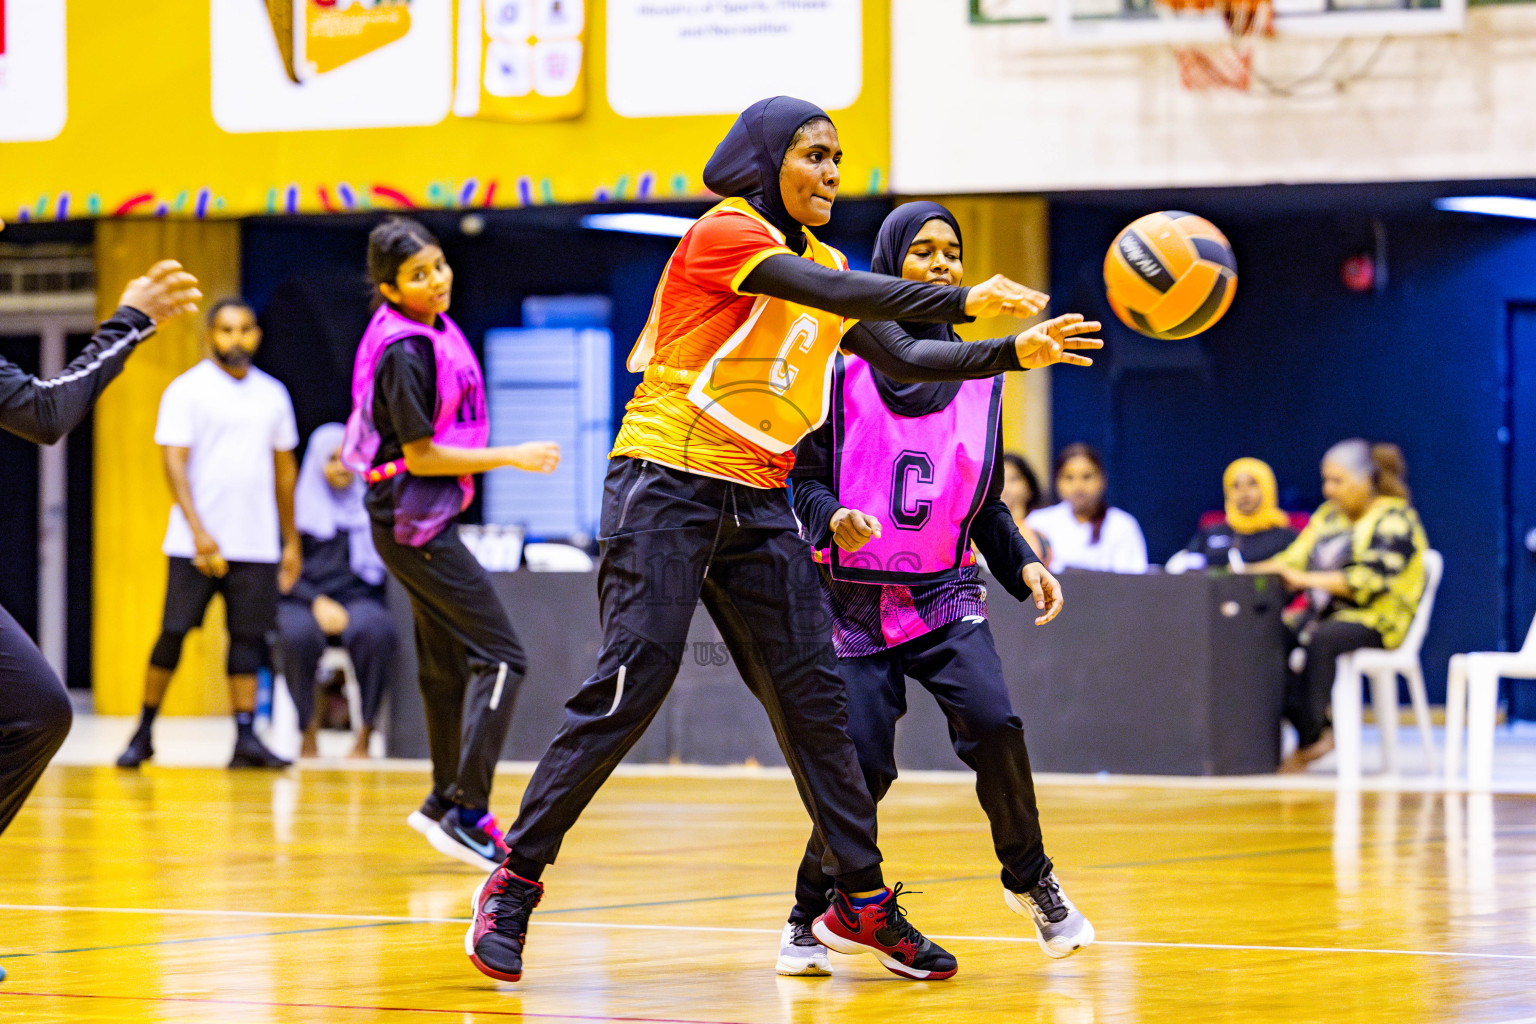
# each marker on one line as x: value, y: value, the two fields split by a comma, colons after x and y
x: 747, y: 161
x: 900, y: 227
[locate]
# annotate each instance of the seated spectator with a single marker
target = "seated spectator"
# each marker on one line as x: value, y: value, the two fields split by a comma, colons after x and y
x: 1022, y: 495
x: 1360, y: 561
x: 1084, y: 531
x: 339, y: 597
x: 1254, y: 526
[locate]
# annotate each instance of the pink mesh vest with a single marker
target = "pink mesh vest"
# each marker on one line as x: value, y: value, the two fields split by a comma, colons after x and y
x: 423, y: 505
x: 923, y: 477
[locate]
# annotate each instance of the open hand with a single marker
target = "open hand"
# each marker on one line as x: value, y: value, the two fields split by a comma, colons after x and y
x: 852, y: 529
x: 1047, y: 591
x: 1055, y: 341
x: 998, y: 296
x: 164, y: 292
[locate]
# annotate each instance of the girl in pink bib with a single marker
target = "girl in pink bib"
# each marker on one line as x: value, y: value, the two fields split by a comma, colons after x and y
x: 892, y: 491
x: 417, y: 434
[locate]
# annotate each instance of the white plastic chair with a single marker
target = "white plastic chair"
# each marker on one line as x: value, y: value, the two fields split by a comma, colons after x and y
x: 336, y: 659
x: 1472, y: 704
x: 1382, y: 667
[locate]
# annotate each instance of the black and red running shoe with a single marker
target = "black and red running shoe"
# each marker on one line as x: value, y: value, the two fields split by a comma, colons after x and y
x: 882, y: 928
x: 499, y: 929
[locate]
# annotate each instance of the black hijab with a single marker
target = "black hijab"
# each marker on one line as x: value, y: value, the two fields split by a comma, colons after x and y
x: 747, y: 161
x: 896, y: 234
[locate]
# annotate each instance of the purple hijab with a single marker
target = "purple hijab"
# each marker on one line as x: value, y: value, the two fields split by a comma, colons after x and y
x: 320, y: 510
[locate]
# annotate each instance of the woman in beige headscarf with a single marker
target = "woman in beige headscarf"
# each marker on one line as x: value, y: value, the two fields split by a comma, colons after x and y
x: 1254, y: 527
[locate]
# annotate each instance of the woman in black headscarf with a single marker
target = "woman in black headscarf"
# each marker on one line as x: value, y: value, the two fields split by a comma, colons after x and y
x: 737, y: 354
x: 896, y: 614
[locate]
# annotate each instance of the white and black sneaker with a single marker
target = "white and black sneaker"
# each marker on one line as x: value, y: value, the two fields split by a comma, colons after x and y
x: 1060, y: 928
x: 426, y: 817
x: 800, y: 954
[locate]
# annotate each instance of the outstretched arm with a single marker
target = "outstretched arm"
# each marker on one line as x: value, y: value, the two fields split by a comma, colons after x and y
x: 889, y: 349
x: 862, y: 296
x: 43, y: 411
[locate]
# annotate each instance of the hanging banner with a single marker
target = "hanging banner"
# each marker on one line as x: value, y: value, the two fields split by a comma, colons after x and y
x: 219, y: 108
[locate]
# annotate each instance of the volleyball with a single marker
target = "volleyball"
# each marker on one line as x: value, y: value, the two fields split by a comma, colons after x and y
x: 1170, y: 274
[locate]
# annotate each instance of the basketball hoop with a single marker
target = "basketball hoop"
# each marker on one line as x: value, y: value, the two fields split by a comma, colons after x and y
x: 1228, y: 64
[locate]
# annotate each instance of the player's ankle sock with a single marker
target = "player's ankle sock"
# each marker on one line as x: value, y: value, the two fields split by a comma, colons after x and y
x: 245, y: 725
x: 859, y: 902
x: 470, y: 816
x: 147, y: 718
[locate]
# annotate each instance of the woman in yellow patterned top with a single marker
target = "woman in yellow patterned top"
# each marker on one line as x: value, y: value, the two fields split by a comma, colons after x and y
x: 1360, y: 559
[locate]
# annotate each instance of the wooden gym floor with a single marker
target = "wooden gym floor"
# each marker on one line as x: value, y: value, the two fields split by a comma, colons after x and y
x: 202, y: 895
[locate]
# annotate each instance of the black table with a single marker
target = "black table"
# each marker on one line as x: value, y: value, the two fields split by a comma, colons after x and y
x: 1150, y: 674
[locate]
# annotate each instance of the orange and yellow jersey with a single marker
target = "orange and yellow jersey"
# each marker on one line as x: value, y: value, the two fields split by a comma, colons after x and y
x: 732, y: 381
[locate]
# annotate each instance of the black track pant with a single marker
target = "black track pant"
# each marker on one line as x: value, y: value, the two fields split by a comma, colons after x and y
x: 958, y: 664
x: 34, y: 716
x: 369, y: 639
x: 1309, y: 693
x: 670, y: 539
x: 469, y: 661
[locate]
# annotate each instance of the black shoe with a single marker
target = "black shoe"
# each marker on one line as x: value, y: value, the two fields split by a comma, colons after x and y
x: 425, y: 817
x: 501, y: 907
x: 479, y: 845
x: 250, y: 753
x: 139, y: 750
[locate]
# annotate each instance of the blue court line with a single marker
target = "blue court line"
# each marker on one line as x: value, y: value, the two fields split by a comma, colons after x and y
x: 209, y: 938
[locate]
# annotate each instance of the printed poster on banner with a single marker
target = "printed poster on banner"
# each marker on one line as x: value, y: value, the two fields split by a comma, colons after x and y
x: 294, y: 65
x: 669, y: 58
x: 521, y: 60
x: 33, y: 89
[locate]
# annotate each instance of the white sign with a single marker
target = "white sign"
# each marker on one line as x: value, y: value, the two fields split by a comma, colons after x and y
x: 33, y: 93
x: 676, y: 57
x: 392, y: 68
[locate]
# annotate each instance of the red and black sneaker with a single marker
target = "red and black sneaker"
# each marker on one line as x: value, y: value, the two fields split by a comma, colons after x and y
x: 882, y: 928
x: 499, y: 929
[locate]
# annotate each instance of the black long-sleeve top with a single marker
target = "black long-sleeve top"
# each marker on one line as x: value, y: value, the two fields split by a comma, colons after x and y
x: 877, y: 300
x: 993, y: 529
x: 43, y: 411
x: 328, y: 571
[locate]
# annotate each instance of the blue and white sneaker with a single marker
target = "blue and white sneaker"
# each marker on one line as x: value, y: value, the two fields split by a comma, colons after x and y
x: 478, y: 845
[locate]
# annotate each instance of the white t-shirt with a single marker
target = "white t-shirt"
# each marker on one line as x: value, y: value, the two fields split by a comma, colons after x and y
x: 232, y: 427
x: 1121, y: 547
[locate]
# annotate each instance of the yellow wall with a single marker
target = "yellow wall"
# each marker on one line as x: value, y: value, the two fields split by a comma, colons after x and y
x: 141, y: 135
x: 1008, y: 235
x: 131, y: 494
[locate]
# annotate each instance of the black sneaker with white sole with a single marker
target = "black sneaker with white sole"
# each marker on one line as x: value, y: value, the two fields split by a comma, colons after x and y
x: 478, y: 845
x: 425, y: 818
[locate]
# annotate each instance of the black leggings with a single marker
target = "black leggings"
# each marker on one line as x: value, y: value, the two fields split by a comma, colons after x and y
x: 469, y: 661
x: 34, y: 716
x: 958, y: 664
x: 250, y: 610
x: 1309, y: 693
x: 671, y: 539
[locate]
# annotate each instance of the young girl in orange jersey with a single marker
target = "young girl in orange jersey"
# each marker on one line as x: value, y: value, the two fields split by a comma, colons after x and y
x: 737, y: 356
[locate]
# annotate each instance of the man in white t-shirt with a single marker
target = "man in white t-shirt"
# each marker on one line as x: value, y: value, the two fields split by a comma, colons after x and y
x: 228, y: 434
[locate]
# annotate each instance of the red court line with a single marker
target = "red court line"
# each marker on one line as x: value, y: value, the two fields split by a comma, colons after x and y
x: 343, y: 1006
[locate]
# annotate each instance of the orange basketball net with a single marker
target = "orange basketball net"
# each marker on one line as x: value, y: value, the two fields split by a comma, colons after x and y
x: 1229, y: 64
